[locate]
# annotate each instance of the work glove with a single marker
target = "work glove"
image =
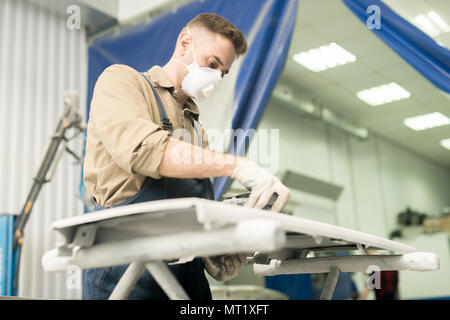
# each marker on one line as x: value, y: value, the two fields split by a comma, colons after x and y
x: 224, y: 267
x: 262, y: 185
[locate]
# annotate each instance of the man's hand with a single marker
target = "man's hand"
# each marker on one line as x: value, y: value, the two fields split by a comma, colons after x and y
x: 262, y: 185
x: 224, y: 267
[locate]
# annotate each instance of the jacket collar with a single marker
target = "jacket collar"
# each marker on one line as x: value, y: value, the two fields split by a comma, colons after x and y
x: 160, y: 78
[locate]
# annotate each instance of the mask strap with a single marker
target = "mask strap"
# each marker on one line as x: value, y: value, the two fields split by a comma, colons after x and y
x: 193, y: 50
x: 193, y: 47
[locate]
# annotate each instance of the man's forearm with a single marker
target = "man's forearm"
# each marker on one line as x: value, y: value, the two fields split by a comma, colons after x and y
x: 184, y: 160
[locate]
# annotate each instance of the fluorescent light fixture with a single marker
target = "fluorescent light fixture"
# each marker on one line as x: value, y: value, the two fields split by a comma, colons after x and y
x: 325, y: 57
x: 426, y: 25
x: 446, y: 143
x: 383, y: 94
x: 439, y: 21
x: 431, y: 23
x: 427, y: 121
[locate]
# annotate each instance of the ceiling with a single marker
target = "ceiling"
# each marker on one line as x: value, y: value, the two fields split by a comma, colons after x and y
x: 325, y: 21
x: 101, y: 15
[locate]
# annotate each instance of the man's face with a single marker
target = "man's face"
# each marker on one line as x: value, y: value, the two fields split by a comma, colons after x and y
x: 212, y: 51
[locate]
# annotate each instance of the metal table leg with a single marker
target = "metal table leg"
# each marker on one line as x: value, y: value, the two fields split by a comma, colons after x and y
x: 128, y: 281
x: 166, y: 280
x: 330, y: 284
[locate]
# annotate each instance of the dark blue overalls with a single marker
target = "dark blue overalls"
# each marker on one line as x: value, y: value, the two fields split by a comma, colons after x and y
x: 99, y: 283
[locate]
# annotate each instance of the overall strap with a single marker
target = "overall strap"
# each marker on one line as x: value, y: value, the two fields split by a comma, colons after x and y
x: 165, y: 121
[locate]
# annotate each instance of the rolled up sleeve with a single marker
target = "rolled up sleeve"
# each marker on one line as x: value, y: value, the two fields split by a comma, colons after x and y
x: 123, y: 122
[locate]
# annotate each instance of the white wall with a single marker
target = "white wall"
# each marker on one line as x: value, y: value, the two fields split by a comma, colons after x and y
x: 39, y: 59
x: 130, y: 9
x: 125, y: 10
x: 379, y: 177
x: 426, y: 285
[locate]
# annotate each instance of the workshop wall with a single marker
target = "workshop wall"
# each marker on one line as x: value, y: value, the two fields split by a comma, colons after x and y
x: 40, y: 59
x: 379, y: 177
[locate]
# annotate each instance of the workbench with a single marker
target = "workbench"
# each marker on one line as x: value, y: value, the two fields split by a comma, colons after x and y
x: 147, y: 235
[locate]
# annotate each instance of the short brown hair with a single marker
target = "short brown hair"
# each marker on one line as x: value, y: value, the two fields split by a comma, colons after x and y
x: 218, y: 24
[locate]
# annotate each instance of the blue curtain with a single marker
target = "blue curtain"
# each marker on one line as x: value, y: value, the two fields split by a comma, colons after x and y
x: 295, y: 286
x: 148, y: 44
x: 413, y: 45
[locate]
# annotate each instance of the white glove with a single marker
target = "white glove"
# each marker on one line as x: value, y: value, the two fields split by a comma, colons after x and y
x: 262, y: 185
x: 224, y: 267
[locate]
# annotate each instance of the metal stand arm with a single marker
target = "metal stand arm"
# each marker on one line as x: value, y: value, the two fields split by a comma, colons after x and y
x: 330, y: 284
x: 128, y: 281
x: 166, y: 280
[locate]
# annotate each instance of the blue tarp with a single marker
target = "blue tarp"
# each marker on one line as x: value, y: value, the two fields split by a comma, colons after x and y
x: 295, y: 286
x: 148, y: 44
x: 8, y: 256
x: 259, y: 74
x: 413, y: 45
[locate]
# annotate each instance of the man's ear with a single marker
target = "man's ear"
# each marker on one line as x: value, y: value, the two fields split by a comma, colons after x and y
x: 185, y: 42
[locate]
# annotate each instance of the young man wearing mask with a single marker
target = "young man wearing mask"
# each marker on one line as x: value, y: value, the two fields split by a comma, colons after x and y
x: 133, y: 154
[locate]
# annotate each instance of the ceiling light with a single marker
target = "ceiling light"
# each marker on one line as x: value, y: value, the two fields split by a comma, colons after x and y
x: 426, y: 25
x: 446, y: 143
x: 432, y: 24
x: 439, y: 21
x: 383, y: 94
x: 325, y: 57
x: 427, y: 121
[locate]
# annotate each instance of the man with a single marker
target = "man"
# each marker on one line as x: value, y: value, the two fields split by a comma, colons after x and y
x: 133, y: 154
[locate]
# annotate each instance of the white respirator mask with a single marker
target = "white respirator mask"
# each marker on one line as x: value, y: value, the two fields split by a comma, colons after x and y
x: 200, y: 82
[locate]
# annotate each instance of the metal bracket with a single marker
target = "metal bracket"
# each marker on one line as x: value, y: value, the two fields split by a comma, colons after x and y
x: 261, y: 258
x: 85, y: 236
x: 303, y: 254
